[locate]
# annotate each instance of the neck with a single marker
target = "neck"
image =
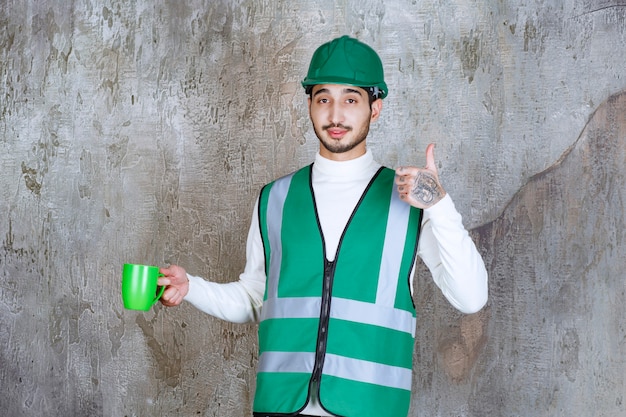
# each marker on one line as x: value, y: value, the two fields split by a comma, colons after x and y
x: 343, y: 156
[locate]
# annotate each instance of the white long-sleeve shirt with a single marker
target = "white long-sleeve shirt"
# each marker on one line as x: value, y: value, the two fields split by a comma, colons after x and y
x: 444, y: 245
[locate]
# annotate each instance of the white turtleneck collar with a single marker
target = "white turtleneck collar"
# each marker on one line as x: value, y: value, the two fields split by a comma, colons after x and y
x: 354, y: 169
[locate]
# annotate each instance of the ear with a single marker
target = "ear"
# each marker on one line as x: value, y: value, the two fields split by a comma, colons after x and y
x: 377, y: 106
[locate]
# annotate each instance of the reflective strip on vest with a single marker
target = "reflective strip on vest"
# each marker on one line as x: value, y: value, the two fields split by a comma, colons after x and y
x: 397, y: 224
x: 339, y: 366
x: 342, y: 309
x: 301, y: 362
x: 275, y: 204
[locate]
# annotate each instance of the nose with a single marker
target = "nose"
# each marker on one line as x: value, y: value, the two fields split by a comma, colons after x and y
x: 336, y: 113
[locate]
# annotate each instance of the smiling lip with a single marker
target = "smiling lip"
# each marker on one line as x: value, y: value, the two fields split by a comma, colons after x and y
x: 337, y: 132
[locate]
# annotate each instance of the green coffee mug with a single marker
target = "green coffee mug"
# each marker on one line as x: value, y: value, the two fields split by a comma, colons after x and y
x: 139, y: 286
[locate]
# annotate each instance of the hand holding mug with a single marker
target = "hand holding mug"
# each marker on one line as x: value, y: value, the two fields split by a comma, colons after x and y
x: 176, y: 282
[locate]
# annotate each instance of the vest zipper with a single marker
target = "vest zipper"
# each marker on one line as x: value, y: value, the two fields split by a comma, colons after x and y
x: 329, y: 275
x: 322, y: 334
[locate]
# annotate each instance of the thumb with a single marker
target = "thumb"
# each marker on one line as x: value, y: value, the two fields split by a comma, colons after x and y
x: 430, y: 157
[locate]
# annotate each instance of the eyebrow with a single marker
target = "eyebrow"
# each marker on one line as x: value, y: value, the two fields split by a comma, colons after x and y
x: 344, y: 91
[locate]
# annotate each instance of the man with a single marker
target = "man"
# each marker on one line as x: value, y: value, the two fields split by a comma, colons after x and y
x: 330, y: 258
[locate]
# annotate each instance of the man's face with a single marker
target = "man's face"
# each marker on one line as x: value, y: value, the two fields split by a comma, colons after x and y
x: 341, y: 116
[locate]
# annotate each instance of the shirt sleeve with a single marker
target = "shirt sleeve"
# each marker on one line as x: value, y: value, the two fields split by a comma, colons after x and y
x: 452, y: 258
x: 239, y: 301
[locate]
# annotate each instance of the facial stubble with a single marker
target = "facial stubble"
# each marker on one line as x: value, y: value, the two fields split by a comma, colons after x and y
x: 336, y: 146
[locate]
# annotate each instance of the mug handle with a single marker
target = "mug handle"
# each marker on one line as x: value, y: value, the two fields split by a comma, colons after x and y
x: 160, y: 292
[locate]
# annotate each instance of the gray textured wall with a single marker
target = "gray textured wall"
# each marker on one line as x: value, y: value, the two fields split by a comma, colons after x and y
x: 141, y: 132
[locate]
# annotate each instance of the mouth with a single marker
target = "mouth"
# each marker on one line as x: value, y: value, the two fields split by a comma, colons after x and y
x: 337, y: 132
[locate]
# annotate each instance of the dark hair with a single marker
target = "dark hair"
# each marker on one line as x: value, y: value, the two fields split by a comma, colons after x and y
x: 373, y: 93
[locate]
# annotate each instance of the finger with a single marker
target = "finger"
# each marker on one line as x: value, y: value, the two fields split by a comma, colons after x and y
x: 170, y: 294
x: 405, y: 175
x: 177, y: 299
x: 174, y: 273
x: 406, y: 170
x: 162, y: 282
x: 430, y: 157
x: 169, y: 302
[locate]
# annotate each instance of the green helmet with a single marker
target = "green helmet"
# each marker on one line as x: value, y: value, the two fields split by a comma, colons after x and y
x: 346, y: 60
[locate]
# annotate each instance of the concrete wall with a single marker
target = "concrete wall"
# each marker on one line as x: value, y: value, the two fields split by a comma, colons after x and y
x: 140, y: 131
